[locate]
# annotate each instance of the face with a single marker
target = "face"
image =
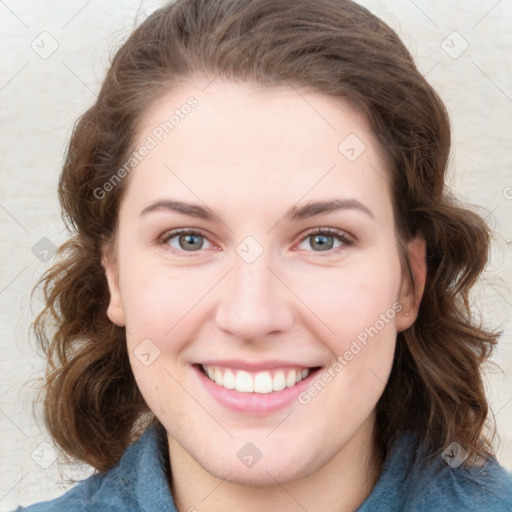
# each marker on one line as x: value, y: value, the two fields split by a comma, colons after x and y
x: 257, y: 273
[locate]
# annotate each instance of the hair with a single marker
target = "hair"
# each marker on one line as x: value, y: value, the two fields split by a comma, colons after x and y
x: 93, y: 408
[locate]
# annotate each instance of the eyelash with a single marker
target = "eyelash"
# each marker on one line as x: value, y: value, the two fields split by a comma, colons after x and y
x: 343, y: 237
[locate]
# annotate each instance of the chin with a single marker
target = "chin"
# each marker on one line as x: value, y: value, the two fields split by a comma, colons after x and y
x: 264, y: 473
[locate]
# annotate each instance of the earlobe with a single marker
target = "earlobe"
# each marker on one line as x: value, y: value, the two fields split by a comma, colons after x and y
x: 115, y: 310
x: 411, y: 293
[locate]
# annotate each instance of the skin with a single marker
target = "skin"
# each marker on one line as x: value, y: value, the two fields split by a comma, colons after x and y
x: 249, y: 154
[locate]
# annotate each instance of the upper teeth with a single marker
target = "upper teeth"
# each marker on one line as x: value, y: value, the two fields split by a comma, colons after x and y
x: 261, y: 382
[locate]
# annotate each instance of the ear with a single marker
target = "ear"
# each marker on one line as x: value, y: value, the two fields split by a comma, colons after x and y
x: 115, y: 310
x: 411, y: 293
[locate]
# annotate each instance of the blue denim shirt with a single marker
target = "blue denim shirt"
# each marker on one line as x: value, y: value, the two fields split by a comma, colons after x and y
x: 138, y: 483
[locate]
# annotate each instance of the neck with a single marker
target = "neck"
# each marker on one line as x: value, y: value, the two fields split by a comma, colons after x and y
x: 341, y: 485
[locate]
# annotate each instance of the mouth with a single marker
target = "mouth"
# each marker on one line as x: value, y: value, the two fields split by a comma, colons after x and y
x: 262, y: 382
x: 257, y: 390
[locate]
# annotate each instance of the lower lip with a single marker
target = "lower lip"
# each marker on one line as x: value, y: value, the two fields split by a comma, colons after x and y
x: 254, y: 403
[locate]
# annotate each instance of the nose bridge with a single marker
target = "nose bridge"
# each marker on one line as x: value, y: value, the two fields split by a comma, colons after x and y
x: 255, y: 301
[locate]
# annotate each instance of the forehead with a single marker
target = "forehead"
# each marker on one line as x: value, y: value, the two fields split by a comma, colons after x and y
x: 267, y: 145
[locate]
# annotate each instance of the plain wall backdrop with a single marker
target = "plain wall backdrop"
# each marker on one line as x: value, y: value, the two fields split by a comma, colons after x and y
x: 53, y: 59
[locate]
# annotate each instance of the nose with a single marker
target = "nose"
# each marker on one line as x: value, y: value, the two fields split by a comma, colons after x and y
x: 255, y: 301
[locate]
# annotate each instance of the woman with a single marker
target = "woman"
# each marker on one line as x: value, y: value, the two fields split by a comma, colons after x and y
x: 265, y: 300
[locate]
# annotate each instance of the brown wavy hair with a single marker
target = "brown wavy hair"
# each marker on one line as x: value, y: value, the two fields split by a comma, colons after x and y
x: 92, y: 406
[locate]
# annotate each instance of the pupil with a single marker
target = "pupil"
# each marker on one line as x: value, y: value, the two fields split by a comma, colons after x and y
x: 189, y: 241
x: 322, y: 243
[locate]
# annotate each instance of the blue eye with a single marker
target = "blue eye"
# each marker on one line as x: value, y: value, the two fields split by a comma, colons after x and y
x: 323, y: 239
x: 188, y: 241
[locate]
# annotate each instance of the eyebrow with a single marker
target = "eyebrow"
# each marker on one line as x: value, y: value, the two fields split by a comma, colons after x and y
x: 306, y: 211
x: 315, y: 208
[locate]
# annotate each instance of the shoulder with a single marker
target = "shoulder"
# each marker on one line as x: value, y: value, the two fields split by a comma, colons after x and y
x: 77, y: 499
x: 139, y: 477
x: 411, y: 484
x: 487, y: 488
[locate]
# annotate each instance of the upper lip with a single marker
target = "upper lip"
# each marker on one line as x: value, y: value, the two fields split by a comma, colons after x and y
x: 255, y: 366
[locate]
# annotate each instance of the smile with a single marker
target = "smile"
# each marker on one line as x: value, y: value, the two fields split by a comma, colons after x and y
x: 255, y: 382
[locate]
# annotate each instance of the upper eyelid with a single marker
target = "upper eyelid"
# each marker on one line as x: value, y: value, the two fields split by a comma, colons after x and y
x: 328, y: 231
x: 167, y: 235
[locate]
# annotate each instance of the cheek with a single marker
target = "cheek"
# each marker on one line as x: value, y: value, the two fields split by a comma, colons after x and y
x: 359, y: 305
x: 352, y: 300
x: 157, y: 300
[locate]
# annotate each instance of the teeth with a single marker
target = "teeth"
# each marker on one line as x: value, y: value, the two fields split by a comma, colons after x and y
x: 229, y: 380
x: 261, y: 382
x: 291, y: 378
x: 218, y: 377
x: 279, y: 381
x: 244, y: 382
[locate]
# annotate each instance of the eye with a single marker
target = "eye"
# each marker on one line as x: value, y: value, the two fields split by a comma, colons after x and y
x: 323, y: 239
x: 185, y: 240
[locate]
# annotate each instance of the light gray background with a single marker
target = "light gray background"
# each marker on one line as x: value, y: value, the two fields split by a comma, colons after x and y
x: 42, y: 94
